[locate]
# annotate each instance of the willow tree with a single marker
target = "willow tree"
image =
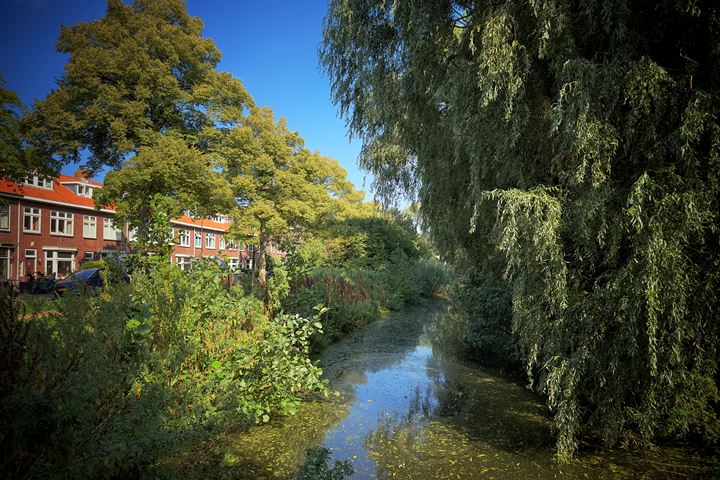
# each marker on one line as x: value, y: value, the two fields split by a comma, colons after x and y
x: 579, y: 141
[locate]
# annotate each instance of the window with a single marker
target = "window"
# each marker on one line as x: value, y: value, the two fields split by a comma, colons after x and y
x: 210, y: 240
x: 39, y: 182
x: 198, y: 239
x: 31, y: 220
x: 183, y: 262
x: 219, y: 218
x: 234, y: 263
x: 61, y: 223
x: 5, y: 217
x: 30, y: 254
x: 89, y: 226
x: 183, y: 238
x: 60, y: 263
x: 222, y: 243
x: 85, y: 191
x: 5, y: 263
x: 247, y: 263
x: 132, y: 234
x: 89, y: 257
x: 109, y: 230
x: 231, y: 245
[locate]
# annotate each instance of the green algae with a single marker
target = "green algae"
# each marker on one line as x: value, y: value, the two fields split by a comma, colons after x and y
x: 411, y: 409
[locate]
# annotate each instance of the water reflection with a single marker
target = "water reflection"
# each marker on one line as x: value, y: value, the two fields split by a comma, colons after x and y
x: 410, y: 409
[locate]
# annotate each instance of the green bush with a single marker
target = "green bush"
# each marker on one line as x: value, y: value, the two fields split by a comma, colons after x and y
x: 355, y: 297
x: 113, y: 383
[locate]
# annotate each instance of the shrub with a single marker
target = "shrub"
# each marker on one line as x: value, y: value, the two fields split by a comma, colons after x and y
x: 112, y: 383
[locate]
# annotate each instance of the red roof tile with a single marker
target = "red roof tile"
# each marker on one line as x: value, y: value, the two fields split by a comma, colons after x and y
x: 63, y: 194
x: 59, y: 193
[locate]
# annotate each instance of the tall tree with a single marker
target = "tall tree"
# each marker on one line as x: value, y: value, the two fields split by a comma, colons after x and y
x: 142, y: 70
x: 280, y: 187
x: 579, y: 140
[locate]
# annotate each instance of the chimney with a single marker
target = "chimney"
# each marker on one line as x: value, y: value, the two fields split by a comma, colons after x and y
x: 82, y: 174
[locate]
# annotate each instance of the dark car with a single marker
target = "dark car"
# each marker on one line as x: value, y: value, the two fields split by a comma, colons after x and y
x: 90, y: 278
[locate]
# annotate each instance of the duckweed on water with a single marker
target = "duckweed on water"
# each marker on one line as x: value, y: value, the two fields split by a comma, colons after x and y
x: 410, y: 409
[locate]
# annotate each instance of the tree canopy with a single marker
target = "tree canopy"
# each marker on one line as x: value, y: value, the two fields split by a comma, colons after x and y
x: 141, y: 71
x: 280, y: 187
x: 579, y: 141
x: 18, y: 158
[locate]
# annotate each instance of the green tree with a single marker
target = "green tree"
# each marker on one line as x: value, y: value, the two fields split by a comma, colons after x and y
x: 159, y: 183
x: 18, y: 158
x: 281, y: 188
x: 579, y: 140
x: 139, y: 72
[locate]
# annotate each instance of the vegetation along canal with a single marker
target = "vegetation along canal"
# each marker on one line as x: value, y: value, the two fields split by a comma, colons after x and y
x: 409, y: 408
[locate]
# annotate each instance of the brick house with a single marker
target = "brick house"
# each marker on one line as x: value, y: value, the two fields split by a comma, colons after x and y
x: 52, y: 226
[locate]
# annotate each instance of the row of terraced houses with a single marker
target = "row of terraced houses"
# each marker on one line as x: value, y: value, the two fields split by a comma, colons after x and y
x: 52, y: 226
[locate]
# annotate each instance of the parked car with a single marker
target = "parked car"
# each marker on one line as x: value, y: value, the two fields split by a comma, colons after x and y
x: 90, y: 278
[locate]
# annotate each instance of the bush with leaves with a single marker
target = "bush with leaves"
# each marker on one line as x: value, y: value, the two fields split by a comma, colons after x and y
x: 110, y: 384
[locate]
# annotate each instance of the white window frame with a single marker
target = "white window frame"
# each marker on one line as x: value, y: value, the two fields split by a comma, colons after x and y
x: 53, y: 257
x: 198, y: 239
x: 85, y: 191
x: 59, y: 219
x: 5, y: 213
x: 32, y: 212
x: 6, y: 257
x: 248, y: 263
x: 40, y: 182
x: 222, y: 243
x: 183, y: 261
x: 89, y: 226
x: 234, y: 263
x: 210, y: 240
x: 183, y: 237
x: 232, y: 245
x: 110, y: 231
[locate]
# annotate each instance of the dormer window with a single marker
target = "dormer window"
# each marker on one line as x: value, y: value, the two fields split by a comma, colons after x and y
x: 40, y: 182
x: 219, y: 218
x: 85, y: 191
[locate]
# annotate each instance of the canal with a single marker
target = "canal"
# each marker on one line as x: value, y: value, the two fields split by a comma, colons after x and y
x: 407, y: 407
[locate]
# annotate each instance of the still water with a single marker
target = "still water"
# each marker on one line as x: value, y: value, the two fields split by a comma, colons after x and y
x: 409, y: 408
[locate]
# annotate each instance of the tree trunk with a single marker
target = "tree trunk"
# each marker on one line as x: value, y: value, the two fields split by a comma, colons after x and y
x: 261, y: 262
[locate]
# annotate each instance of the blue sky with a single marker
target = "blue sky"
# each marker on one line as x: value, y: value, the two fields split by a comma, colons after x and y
x: 270, y: 46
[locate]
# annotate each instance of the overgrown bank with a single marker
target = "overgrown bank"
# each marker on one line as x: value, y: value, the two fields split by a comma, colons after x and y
x: 116, y: 384
x: 359, y: 268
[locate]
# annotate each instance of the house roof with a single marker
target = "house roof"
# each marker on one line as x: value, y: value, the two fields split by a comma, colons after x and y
x: 58, y: 194
x: 69, y: 179
x: 202, y: 222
